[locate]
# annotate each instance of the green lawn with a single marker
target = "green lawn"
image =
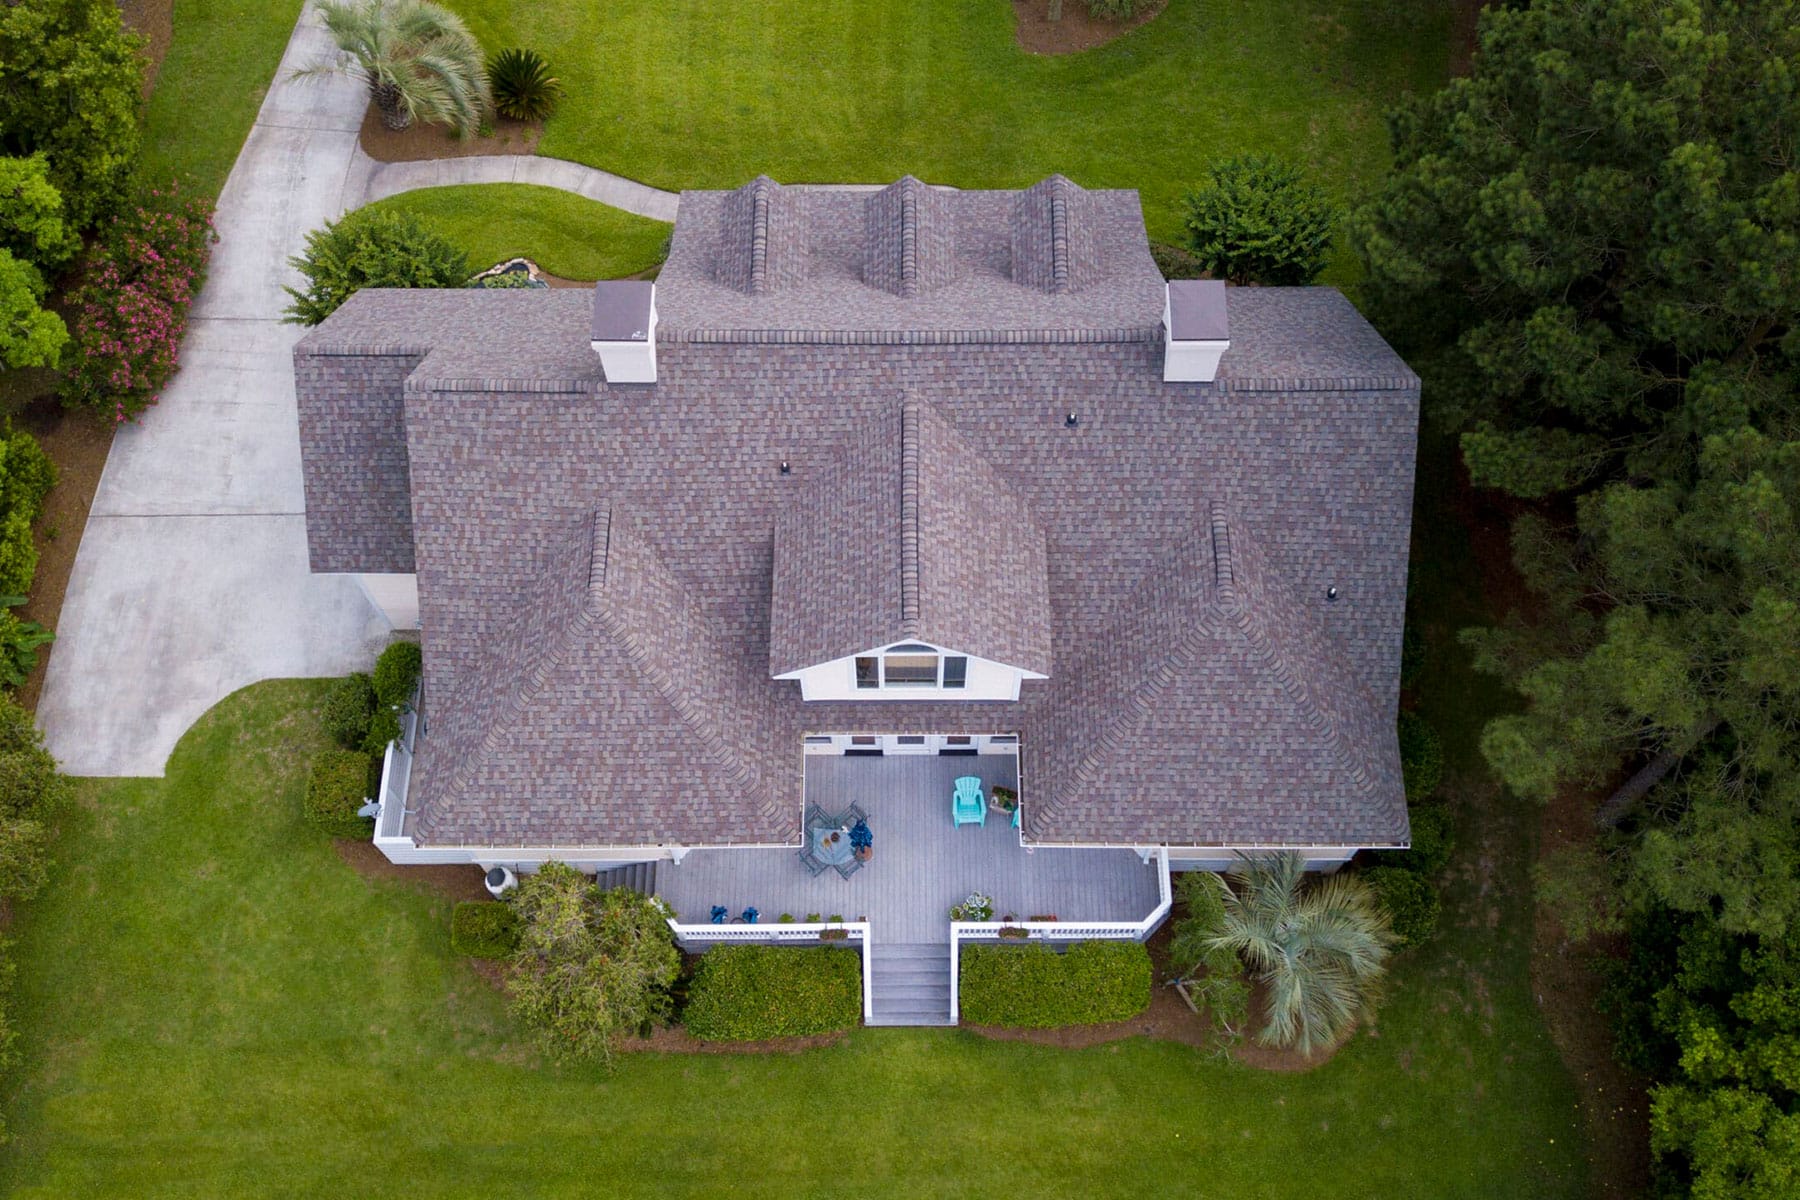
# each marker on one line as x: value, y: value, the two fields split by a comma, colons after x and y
x: 708, y: 93
x: 565, y: 234
x: 213, y: 1004
x: 218, y: 69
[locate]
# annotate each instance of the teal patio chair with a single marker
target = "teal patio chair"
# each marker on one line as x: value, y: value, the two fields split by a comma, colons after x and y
x: 968, y: 806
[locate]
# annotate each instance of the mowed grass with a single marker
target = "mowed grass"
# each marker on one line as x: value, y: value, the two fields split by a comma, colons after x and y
x: 709, y: 93
x: 565, y: 234
x: 213, y: 1004
x: 219, y: 67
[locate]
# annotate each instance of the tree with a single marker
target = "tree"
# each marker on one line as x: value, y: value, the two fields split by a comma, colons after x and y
x: 70, y: 82
x: 1319, y: 946
x: 1588, y: 246
x: 31, y: 215
x: 591, y: 965
x: 30, y: 336
x: 418, y: 58
x: 1213, y: 973
x: 372, y: 247
x: 1256, y: 220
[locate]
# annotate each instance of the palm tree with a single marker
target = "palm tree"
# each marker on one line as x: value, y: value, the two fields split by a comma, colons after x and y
x: 419, y: 59
x: 1319, y: 948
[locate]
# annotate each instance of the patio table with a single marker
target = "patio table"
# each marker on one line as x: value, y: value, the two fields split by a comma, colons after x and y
x: 828, y: 852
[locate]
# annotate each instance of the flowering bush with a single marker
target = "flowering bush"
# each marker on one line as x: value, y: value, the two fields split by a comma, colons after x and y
x: 131, y: 309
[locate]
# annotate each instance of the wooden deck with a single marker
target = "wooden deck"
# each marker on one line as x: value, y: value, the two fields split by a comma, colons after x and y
x: 922, y: 864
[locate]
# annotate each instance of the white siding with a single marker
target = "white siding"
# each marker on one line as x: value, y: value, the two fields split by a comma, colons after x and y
x: 396, y: 596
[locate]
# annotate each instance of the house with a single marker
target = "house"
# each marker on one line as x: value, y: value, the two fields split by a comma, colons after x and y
x: 871, y: 490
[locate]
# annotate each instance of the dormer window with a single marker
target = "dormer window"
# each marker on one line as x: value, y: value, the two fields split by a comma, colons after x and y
x: 912, y: 665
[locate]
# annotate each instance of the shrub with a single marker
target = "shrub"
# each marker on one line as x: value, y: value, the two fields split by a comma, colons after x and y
x: 1433, y: 839
x: 1256, y: 220
x: 371, y: 248
x: 72, y: 77
x: 31, y: 215
x: 591, y: 965
x: 1421, y: 757
x: 1115, y: 10
x: 384, y: 727
x: 28, y: 475
x: 523, y: 87
x: 131, y: 310
x: 30, y: 785
x: 397, y: 673
x: 349, y: 706
x: 1410, y: 901
x: 18, y: 554
x: 1414, y: 654
x: 30, y: 335
x: 19, y: 643
x: 338, y: 786
x: 1176, y: 262
x: 1212, y: 972
x: 747, y: 993
x: 484, y: 929
x: 1032, y: 987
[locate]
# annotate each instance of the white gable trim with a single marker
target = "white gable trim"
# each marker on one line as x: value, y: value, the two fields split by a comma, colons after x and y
x: 984, y: 679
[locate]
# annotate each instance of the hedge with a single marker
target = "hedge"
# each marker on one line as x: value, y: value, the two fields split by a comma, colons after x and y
x: 1433, y: 839
x: 339, y: 785
x: 747, y: 993
x: 1421, y: 757
x: 1033, y: 987
x: 484, y: 929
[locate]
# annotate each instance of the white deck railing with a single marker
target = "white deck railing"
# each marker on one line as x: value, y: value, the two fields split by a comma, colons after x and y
x: 853, y: 931
x: 396, y: 774
x: 1057, y: 931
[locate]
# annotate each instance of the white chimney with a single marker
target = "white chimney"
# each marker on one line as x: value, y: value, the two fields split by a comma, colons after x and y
x: 624, y: 333
x: 1196, y: 333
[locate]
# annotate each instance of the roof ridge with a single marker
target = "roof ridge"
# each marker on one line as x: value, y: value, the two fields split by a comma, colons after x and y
x: 909, y: 514
x: 760, y: 196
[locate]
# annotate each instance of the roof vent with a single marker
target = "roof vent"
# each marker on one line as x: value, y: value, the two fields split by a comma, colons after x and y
x: 624, y: 330
x: 1196, y: 333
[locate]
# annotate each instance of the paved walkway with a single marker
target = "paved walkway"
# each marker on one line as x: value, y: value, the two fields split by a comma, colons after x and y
x: 370, y: 180
x: 191, y: 580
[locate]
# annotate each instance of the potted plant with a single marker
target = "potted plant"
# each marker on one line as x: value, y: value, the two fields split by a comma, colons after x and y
x: 976, y: 907
x: 1005, y: 799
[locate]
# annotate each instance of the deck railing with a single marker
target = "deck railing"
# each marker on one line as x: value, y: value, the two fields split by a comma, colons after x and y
x: 396, y: 774
x: 852, y: 931
x: 1057, y: 931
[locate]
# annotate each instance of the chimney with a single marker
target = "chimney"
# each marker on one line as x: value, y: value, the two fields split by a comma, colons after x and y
x: 624, y: 333
x: 1196, y: 333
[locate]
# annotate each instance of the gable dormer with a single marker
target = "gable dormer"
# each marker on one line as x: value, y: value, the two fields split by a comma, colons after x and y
x: 909, y: 569
x: 909, y: 239
x: 762, y: 238
x: 1054, y: 246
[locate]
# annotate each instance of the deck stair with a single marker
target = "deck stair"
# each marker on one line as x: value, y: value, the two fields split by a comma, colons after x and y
x: 910, y: 982
x: 639, y: 877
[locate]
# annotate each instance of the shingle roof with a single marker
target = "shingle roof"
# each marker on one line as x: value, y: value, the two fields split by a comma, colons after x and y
x: 761, y: 242
x: 610, y: 699
x: 1055, y: 244
x: 1232, y: 681
x: 511, y: 438
x: 945, y: 552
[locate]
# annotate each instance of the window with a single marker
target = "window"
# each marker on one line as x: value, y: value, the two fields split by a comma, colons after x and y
x: 910, y: 670
x: 956, y: 670
x: 863, y: 739
x: 912, y: 739
x: 959, y: 739
x: 818, y: 739
x: 868, y: 672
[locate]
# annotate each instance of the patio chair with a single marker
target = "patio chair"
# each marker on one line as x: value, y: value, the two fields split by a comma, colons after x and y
x: 968, y: 804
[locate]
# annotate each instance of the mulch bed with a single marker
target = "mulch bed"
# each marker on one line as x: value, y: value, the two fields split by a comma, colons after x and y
x: 77, y: 442
x: 462, y: 882
x: 1077, y: 31
x: 421, y: 141
x: 155, y: 19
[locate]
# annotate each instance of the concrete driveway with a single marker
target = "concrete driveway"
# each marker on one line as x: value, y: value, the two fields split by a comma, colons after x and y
x: 192, y: 578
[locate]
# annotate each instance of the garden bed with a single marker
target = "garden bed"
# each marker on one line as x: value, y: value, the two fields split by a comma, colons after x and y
x: 423, y: 142
x: 1076, y: 31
